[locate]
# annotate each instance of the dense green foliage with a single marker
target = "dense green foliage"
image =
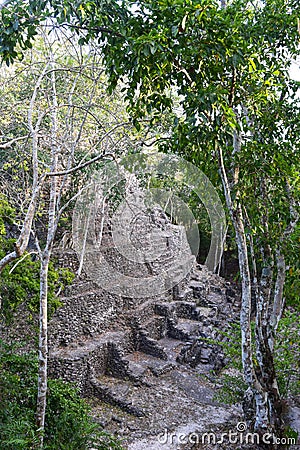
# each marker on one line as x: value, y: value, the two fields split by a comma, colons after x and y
x: 6, y: 214
x: 68, y: 423
x: 287, y: 356
x: 22, y: 285
x: 21, y: 282
x: 292, y: 285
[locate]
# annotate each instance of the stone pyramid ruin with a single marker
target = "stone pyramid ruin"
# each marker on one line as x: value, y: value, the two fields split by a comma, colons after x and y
x: 143, y: 360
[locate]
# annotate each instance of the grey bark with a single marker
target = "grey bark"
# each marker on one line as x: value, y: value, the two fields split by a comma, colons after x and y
x: 43, y: 350
x: 45, y: 259
x: 263, y: 382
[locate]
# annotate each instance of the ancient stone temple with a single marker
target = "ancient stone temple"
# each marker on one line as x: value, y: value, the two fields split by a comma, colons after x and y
x: 143, y: 358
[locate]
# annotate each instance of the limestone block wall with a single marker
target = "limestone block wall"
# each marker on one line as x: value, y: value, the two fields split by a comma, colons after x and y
x: 88, y: 309
x: 83, y: 315
x: 91, y: 359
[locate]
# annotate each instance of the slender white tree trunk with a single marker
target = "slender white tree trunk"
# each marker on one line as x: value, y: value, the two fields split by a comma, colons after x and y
x: 265, y: 394
x: 45, y: 259
x: 22, y: 242
x: 43, y: 349
x: 278, y: 304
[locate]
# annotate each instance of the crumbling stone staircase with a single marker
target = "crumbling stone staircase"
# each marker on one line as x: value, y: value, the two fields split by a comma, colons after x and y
x: 150, y: 354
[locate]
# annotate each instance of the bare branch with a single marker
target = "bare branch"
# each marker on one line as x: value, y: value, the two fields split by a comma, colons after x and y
x: 22, y: 259
x: 23, y: 239
x: 74, y: 197
x: 10, y: 143
x: 91, y: 161
x: 81, y: 166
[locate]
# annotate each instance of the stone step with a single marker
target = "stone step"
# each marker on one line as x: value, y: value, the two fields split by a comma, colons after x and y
x: 149, y: 346
x: 83, y: 316
x: 172, y: 348
x: 129, y: 393
x: 184, y: 295
x: 184, y: 330
x: 118, y: 392
x: 140, y: 364
x: 165, y: 309
x: 181, y: 308
x: 180, y: 399
x: 189, y: 327
x: 185, y: 309
x: 140, y: 313
x: 102, y: 354
x: 156, y: 326
x: 84, y: 347
x: 204, y: 312
x: 80, y: 287
x: 199, y: 290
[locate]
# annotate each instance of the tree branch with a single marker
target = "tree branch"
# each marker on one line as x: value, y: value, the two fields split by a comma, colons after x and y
x: 80, y: 166
x: 91, y: 161
x: 10, y: 143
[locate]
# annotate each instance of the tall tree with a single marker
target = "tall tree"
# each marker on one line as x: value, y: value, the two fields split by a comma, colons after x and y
x: 230, y: 67
x: 57, y: 125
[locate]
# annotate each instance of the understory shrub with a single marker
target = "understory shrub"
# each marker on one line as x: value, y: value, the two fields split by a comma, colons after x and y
x: 69, y: 425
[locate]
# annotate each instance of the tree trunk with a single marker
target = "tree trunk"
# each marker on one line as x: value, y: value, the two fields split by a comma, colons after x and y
x: 262, y: 380
x: 245, y: 317
x: 43, y: 350
x: 37, y: 182
x: 45, y: 258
